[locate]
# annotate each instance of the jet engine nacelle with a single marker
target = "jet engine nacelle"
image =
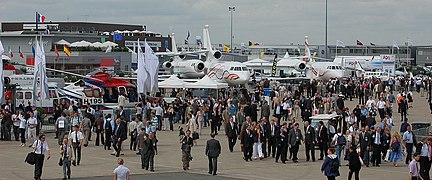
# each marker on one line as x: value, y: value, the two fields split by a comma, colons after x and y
x: 300, y: 66
x: 167, y: 65
x: 199, y: 67
x: 217, y: 54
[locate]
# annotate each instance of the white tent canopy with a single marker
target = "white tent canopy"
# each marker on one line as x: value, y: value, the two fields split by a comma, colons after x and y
x: 173, y: 82
x: 98, y: 45
x: 257, y: 62
x: 62, y: 42
x: 208, y: 83
x: 81, y: 44
x: 109, y: 43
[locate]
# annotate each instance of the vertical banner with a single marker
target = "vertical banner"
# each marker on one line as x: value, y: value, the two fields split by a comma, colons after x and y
x: 274, y: 66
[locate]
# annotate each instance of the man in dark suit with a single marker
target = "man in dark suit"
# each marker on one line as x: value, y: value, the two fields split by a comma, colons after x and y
x: 309, y: 141
x: 272, y: 132
x: 365, y: 139
x: 377, y: 144
x: 213, y: 149
x: 322, y: 139
x: 119, y: 135
x: 247, y: 142
x: 231, y: 131
x: 282, y: 143
x: 294, y: 139
x: 265, y: 110
x: 340, y: 103
x: 403, y: 107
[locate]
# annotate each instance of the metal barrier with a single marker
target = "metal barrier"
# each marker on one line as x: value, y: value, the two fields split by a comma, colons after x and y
x: 422, y: 132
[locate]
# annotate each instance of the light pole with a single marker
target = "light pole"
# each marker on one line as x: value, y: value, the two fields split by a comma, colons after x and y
x: 231, y: 10
x: 326, y: 47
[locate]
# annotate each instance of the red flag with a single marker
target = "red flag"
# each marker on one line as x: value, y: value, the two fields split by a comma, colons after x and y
x: 57, y: 53
x: 359, y: 43
x: 20, y: 53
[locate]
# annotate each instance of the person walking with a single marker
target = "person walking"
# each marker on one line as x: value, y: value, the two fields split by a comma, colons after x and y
x: 310, y: 141
x: 409, y: 139
x: 396, y: 148
x: 99, y: 130
x: 62, y: 125
x: 32, y: 123
x: 86, y: 125
x: 294, y: 140
x: 354, y: 163
x: 22, y: 128
x: 40, y: 148
x: 247, y: 142
x: 66, y: 157
x: 108, y: 130
x: 119, y: 135
x: 186, y: 147
x: 414, y: 167
x: 330, y: 167
x: 231, y: 131
x: 76, y: 138
x: 213, y: 150
x: 121, y: 172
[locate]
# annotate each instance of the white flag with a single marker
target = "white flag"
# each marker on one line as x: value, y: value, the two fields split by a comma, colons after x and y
x: 152, y: 65
x: 109, y: 49
x: 44, y: 79
x: 340, y: 44
x: 37, y: 63
x: 395, y: 45
x: 1, y: 71
x: 141, y: 73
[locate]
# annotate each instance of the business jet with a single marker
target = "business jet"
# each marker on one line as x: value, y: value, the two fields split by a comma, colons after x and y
x: 231, y: 72
x: 193, y: 68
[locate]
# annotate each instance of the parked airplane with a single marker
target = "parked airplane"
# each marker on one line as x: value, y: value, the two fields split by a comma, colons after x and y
x: 231, y: 72
x: 193, y: 68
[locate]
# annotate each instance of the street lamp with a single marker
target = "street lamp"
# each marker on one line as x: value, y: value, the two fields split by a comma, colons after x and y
x: 326, y: 47
x: 231, y: 10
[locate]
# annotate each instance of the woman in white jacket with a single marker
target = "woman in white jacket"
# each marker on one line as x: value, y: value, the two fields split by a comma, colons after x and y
x: 191, y: 124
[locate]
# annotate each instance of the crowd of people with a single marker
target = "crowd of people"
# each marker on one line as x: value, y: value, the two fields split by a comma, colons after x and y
x: 266, y: 127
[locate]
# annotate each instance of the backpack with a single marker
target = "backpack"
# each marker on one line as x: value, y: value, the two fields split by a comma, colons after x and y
x: 395, y: 146
x: 341, y: 140
x: 334, y: 166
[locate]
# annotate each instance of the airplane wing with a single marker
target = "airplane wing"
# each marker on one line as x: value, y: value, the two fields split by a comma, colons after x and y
x: 180, y: 53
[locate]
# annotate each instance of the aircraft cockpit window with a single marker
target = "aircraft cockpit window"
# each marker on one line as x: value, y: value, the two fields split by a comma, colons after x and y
x: 237, y: 69
x: 122, y: 90
x: 232, y: 68
x: 328, y: 67
x: 28, y: 95
x: 96, y: 93
x: 88, y: 92
x: 244, y: 68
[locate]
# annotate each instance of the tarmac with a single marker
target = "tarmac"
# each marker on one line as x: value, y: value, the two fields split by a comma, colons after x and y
x: 98, y: 164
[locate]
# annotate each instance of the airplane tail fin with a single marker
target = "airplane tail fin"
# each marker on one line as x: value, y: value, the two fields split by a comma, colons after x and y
x: 206, y: 38
x: 173, y: 44
x: 307, y: 50
x: 286, y: 56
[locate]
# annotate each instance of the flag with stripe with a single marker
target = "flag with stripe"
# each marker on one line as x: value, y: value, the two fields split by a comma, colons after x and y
x: 20, y: 53
x: 359, y: 43
x: 56, y: 52
x: 66, y: 50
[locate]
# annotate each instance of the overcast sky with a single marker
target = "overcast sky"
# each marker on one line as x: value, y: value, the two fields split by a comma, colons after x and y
x: 268, y: 22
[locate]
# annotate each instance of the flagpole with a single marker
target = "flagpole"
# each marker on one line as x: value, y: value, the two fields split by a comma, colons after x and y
x: 36, y: 22
x: 336, y: 50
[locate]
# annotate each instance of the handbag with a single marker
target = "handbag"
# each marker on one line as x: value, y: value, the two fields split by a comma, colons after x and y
x: 31, y: 157
x: 387, y: 157
x: 60, y: 163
